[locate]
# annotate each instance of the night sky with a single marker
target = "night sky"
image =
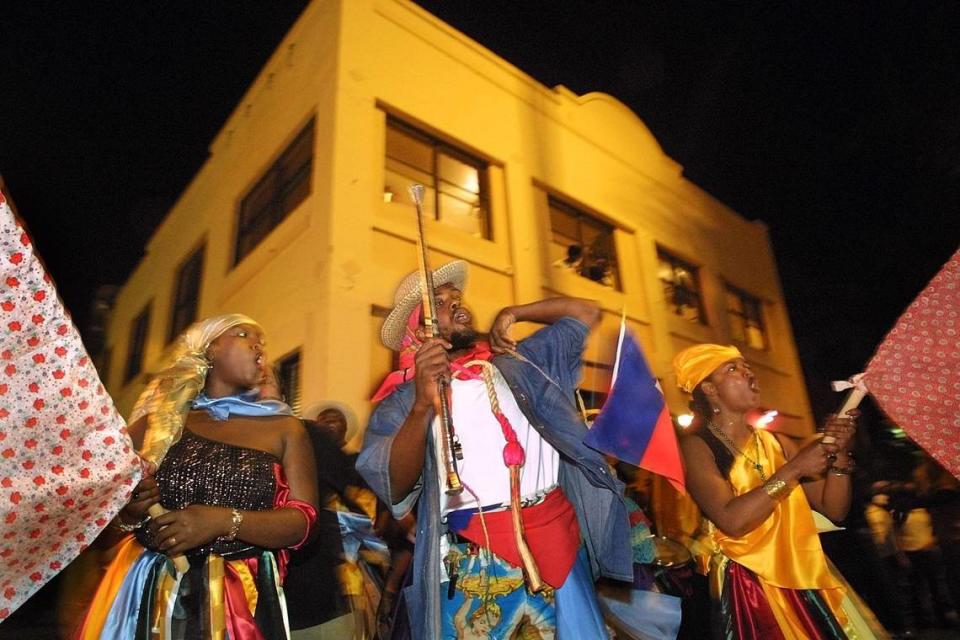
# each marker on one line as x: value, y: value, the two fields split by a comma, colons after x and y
x: 838, y: 125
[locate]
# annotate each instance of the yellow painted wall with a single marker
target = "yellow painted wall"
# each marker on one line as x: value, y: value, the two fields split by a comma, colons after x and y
x: 315, y: 281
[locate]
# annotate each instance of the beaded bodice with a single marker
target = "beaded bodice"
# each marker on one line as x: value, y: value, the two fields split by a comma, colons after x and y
x: 198, y: 470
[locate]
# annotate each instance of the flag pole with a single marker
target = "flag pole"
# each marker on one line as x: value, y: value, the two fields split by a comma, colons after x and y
x: 616, y: 358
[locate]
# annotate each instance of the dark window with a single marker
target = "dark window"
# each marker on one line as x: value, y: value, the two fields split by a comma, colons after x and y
x: 746, y: 318
x: 583, y: 244
x: 455, y: 182
x: 138, y: 340
x: 681, y: 286
x: 186, y: 294
x: 288, y: 370
x: 285, y: 185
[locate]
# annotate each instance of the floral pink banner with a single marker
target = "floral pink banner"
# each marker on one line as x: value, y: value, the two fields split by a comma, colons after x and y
x: 915, y: 374
x: 67, y: 465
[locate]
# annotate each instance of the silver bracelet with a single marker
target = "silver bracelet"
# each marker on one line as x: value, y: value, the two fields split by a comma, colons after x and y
x: 236, y: 517
x: 130, y: 528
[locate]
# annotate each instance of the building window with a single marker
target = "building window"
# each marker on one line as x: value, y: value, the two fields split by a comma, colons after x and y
x: 138, y: 340
x: 288, y: 371
x: 681, y: 286
x: 284, y: 186
x: 186, y: 293
x: 746, y: 318
x: 456, y: 191
x: 583, y: 244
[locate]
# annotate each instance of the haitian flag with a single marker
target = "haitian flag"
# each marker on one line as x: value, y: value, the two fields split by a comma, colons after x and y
x: 634, y: 425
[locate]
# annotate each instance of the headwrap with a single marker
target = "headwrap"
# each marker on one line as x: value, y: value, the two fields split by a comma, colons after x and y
x: 169, y: 396
x: 695, y: 364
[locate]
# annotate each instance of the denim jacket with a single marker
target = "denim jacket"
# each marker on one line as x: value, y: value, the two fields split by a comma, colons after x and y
x: 543, y: 383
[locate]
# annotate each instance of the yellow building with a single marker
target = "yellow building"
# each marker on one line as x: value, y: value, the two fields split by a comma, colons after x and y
x: 300, y: 216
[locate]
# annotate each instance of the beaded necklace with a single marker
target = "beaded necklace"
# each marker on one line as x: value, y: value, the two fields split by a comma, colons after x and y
x: 728, y: 443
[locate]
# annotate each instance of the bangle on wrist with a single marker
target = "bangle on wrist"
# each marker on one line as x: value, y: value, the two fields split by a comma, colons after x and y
x: 129, y: 528
x: 842, y: 471
x: 236, y: 517
x: 777, y: 489
x: 845, y: 469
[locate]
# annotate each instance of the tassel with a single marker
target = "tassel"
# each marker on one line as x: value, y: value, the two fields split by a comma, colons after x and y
x: 513, y: 453
x: 514, y: 457
x: 534, y: 581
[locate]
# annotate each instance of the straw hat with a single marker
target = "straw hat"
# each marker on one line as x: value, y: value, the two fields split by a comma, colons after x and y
x: 313, y: 411
x: 409, y: 295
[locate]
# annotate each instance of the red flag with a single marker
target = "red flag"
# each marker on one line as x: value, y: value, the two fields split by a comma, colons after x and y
x: 67, y: 465
x: 915, y: 374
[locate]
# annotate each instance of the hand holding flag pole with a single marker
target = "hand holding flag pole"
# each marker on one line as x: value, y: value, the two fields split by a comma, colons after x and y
x: 858, y: 391
x: 914, y: 376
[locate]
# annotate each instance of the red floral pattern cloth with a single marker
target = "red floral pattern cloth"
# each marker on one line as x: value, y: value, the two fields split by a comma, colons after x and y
x: 67, y: 465
x: 915, y: 374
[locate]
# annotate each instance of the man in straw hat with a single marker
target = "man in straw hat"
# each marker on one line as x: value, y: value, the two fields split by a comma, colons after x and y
x: 512, y: 407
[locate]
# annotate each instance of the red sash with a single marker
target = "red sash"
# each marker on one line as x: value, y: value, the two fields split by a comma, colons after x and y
x: 551, y: 531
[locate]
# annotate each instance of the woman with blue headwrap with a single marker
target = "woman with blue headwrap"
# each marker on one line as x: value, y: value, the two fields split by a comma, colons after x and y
x: 237, y: 478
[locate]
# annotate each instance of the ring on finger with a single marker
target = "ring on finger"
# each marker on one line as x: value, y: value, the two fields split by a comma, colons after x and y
x: 173, y: 541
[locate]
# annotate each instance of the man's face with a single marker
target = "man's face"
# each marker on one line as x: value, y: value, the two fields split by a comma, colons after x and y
x: 334, y: 422
x: 454, y: 321
x: 270, y: 385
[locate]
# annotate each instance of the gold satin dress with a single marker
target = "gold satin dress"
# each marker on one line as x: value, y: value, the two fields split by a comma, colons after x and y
x: 784, y: 555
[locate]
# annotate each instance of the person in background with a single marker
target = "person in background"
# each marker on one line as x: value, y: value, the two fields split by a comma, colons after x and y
x: 572, y: 260
x: 940, y: 492
x: 339, y: 577
x: 400, y: 536
x: 892, y: 563
x: 316, y: 606
x: 931, y: 604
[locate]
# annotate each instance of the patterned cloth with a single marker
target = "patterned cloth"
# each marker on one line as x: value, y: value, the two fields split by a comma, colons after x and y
x: 915, y: 374
x: 67, y: 465
x: 489, y: 599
